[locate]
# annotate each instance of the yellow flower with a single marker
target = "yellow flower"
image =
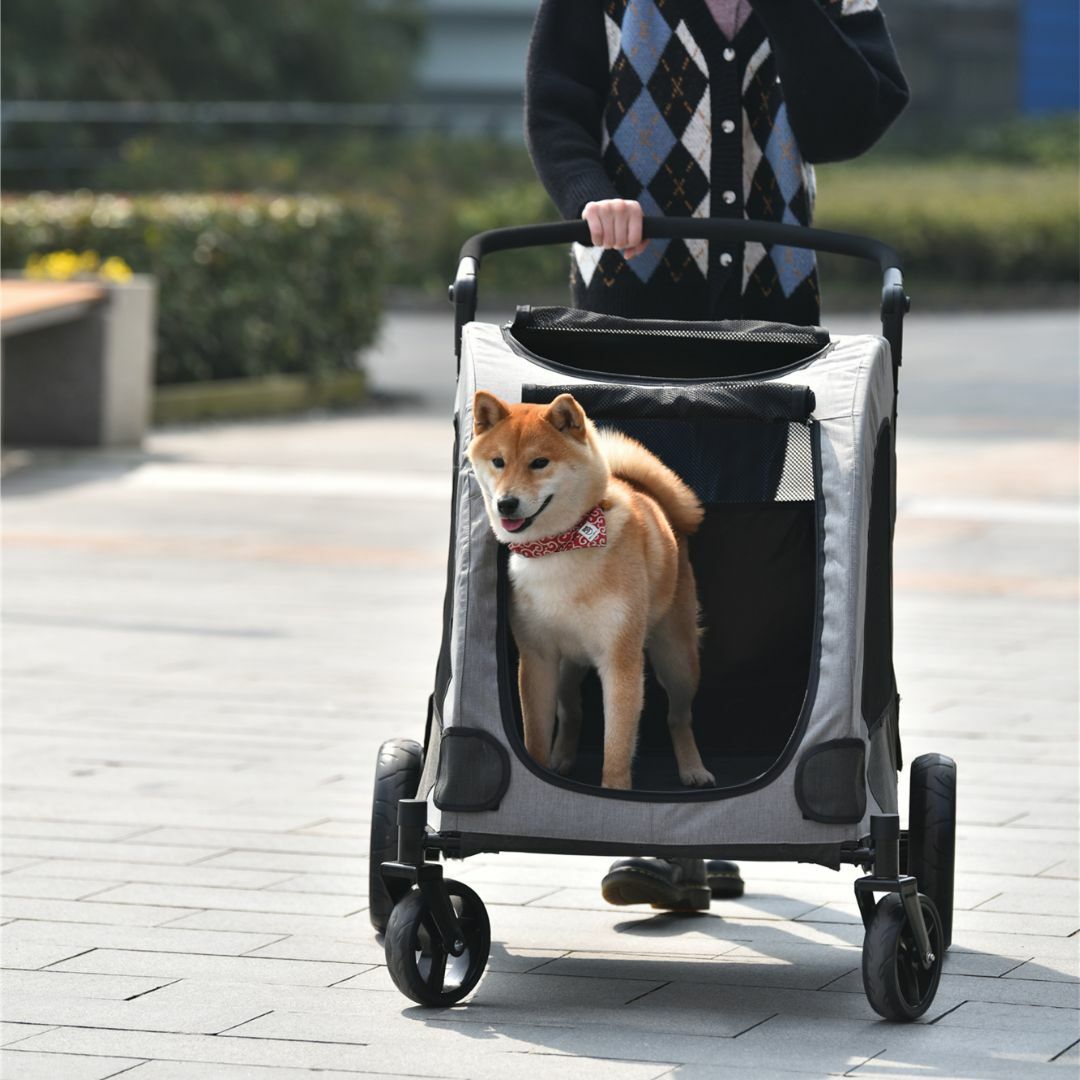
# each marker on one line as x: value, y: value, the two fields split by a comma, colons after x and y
x: 61, y: 265
x: 115, y: 269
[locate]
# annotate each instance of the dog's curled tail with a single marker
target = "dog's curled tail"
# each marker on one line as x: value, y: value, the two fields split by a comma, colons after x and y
x: 630, y: 461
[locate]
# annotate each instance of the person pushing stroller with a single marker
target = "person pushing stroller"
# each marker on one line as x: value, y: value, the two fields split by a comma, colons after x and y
x: 699, y: 108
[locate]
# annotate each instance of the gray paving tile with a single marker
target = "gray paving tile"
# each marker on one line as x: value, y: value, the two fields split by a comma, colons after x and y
x: 12, y: 1033
x: 28, y: 1065
x: 32, y: 886
x: 733, y: 968
x: 1011, y: 1017
x: 198, y: 1070
x: 70, y: 830
x: 142, y: 1014
x: 1055, y: 969
x: 297, y: 947
x: 193, y: 897
x: 166, y: 965
x: 354, y: 928
x: 33, y: 939
x: 93, y: 849
x: 104, y: 872
x: 72, y: 984
x: 91, y: 911
x: 289, y: 862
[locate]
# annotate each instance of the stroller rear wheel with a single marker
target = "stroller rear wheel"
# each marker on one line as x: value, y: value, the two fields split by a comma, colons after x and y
x: 397, y: 776
x: 897, y: 984
x: 932, y: 833
x: 420, y: 964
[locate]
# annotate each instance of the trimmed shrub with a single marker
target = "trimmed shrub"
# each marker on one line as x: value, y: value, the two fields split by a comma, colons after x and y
x: 249, y: 285
x: 961, y: 222
x: 962, y: 225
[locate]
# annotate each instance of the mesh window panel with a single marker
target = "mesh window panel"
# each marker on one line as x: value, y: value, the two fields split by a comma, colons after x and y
x: 736, y: 401
x: 797, y: 479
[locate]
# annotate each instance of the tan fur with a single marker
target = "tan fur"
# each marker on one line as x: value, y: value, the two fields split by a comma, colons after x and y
x: 593, y: 607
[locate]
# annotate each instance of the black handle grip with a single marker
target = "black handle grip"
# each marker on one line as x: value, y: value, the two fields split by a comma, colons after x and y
x: 737, y: 230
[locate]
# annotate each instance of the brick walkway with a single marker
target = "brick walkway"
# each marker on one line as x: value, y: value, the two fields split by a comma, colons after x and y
x: 205, y: 645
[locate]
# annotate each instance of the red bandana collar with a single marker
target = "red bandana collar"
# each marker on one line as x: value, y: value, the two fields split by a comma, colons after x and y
x: 592, y: 532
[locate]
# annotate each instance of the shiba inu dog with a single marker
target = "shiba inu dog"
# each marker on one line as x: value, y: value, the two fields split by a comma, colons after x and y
x: 599, y: 575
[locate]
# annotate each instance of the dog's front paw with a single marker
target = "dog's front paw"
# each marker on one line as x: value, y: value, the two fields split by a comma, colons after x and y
x: 697, y: 776
x: 562, y: 761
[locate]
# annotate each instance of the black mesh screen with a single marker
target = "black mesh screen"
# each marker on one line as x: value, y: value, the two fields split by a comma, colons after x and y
x: 716, y: 401
x: 588, y: 341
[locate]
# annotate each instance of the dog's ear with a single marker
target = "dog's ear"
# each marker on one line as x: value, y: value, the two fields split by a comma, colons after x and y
x: 566, y: 415
x: 487, y: 411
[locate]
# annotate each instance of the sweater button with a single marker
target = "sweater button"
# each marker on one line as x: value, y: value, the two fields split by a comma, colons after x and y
x: 727, y: 126
x: 726, y: 259
x: 729, y: 197
x: 729, y: 54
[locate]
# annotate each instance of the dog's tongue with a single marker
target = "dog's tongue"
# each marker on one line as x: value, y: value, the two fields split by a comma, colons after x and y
x: 511, y: 524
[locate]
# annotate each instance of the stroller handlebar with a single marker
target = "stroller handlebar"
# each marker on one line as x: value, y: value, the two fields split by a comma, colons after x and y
x: 666, y: 228
x: 894, y: 302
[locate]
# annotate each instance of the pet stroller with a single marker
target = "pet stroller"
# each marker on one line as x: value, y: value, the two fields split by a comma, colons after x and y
x: 787, y: 435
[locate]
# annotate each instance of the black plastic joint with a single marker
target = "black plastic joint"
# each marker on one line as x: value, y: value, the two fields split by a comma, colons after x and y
x: 885, y: 838
x: 412, y: 826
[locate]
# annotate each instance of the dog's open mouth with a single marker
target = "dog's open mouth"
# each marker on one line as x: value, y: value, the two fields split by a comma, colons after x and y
x: 514, y: 525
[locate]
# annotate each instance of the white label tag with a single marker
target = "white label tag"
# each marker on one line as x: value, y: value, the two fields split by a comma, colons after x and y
x: 589, y: 531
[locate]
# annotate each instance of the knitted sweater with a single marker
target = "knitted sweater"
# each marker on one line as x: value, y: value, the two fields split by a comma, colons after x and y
x: 699, y: 108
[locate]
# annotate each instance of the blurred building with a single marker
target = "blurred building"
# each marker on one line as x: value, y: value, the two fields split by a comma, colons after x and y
x: 473, y: 63
x: 969, y: 61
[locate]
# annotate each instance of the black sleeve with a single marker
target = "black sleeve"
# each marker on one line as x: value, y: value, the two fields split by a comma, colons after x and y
x: 566, y: 86
x: 842, y: 81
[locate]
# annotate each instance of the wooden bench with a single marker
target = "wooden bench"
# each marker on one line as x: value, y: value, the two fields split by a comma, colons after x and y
x: 77, y: 362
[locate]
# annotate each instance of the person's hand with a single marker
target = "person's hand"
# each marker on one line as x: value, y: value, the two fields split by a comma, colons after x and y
x: 616, y: 223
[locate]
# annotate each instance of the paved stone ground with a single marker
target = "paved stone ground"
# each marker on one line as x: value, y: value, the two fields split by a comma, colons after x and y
x: 207, y: 642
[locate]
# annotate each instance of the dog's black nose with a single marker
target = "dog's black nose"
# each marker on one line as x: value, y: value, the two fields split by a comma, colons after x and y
x: 508, y: 505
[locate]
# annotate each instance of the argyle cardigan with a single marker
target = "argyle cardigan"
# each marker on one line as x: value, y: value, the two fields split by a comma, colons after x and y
x: 700, y: 108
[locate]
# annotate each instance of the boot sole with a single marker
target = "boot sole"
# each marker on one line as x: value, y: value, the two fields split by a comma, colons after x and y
x: 726, y: 886
x: 629, y: 886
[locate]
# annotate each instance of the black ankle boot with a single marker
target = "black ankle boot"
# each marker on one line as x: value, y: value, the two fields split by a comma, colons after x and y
x: 669, y: 884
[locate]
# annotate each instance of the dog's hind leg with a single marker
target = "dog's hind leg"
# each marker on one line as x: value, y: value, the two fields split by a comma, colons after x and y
x: 538, y: 679
x: 673, y: 652
x: 564, y: 753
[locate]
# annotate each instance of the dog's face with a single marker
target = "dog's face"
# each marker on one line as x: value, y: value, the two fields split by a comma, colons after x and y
x: 538, y: 466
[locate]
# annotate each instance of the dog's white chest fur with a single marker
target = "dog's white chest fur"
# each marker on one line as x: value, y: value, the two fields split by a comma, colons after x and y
x: 555, y: 604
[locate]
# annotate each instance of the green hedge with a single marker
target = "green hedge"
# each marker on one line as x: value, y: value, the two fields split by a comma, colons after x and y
x: 249, y: 285
x: 962, y: 225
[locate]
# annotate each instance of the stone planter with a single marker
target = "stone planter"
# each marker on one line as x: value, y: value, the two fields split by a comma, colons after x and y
x: 81, y: 375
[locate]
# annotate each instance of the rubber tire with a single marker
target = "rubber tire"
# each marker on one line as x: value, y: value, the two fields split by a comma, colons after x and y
x: 932, y: 833
x: 885, y: 960
x: 397, y: 776
x: 410, y: 929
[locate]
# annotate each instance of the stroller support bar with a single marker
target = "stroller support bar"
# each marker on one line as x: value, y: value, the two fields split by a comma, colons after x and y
x: 894, y: 304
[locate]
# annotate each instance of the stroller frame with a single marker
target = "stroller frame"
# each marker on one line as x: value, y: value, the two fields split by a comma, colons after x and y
x: 425, y: 915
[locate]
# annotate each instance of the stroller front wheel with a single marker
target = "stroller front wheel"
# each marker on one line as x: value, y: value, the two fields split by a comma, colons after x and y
x: 897, y: 984
x: 420, y: 964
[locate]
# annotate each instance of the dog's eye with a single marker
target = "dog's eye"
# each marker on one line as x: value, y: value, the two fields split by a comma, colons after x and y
x: 498, y: 462
x: 538, y: 463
